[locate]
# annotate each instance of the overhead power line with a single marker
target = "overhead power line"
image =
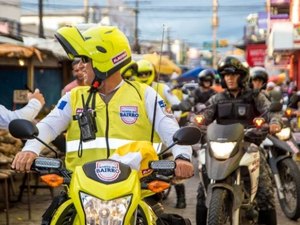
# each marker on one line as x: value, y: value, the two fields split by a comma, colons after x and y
x: 160, y: 8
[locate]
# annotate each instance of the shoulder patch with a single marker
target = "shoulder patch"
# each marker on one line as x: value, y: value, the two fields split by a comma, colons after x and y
x: 162, y: 104
x: 62, y: 105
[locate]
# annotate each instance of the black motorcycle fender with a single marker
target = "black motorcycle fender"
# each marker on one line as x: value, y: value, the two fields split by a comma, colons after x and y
x: 282, y: 145
x: 235, y: 190
x: 274, y: 161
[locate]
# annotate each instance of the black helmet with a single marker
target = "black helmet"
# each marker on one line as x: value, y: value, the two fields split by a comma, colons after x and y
x: 233, y: 65
x: 206, y: 75
x: 259, y: 73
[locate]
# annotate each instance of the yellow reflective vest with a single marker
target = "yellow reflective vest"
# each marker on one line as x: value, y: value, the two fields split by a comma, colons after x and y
x: 123, y: 120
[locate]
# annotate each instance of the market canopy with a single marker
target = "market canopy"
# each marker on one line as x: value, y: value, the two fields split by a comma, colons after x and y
x: 190, y: 75
x: 18, y: 51
x: 162, y: 64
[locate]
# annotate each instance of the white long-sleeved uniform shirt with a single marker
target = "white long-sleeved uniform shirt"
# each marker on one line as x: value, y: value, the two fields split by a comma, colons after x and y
x: 28, y: 112
x: 59, y: 118
x: 171, y: 98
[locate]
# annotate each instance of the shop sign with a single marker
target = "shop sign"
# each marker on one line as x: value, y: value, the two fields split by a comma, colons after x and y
x: 256, y: 54
x: 20, y: 96
x: 262, y: 20
x: 296, y: 36
x: 278, y: 2
x: 283, y: 16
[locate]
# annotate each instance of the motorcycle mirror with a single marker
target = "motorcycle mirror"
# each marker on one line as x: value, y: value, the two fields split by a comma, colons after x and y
x: 23, y: 129
x: 184, y: 136
x: 187, y: 136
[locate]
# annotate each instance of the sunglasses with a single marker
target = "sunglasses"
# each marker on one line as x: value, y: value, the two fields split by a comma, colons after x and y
x: 85, y: 59
x: 144, y: 74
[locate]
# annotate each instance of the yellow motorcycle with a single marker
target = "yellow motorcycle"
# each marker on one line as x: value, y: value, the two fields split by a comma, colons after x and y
x: 107, y: 191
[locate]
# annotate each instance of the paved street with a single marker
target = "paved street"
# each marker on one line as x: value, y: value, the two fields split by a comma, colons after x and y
x: 40, y: 201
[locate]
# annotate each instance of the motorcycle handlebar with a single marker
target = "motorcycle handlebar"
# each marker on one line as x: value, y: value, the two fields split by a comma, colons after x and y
x: 43, y: 163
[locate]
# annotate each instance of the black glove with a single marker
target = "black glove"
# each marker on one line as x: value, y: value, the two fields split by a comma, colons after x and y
x: 184, y: 106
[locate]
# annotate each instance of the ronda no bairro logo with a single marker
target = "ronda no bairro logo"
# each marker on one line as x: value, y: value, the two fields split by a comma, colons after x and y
x: 129, y: 114
x: 107, y: 170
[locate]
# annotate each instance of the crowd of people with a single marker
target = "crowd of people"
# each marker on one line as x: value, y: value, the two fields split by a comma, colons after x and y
x: 109, y: 83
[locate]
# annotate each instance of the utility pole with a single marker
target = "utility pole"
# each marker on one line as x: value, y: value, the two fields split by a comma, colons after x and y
x: 41, y: 26
x: 169, y: 43
x: 215, y: 24
x: 86, y: 10
x: 136, y: 46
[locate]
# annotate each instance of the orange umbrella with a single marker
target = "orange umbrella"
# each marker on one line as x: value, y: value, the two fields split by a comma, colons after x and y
x: 162, y: 64
x: 278, y: 79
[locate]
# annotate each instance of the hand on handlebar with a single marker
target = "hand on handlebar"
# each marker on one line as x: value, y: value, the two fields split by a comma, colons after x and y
x: 184, y: 169
x: 23, y: 161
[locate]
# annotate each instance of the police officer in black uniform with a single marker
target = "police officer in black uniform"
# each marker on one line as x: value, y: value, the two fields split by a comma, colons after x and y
x: 239, y: 104
x: 205, y: 79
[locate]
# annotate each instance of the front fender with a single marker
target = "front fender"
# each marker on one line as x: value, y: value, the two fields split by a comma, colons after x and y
x: 235, y: 191
x: 273, y: 162
x: 62, y: 211
x: 148, y: 212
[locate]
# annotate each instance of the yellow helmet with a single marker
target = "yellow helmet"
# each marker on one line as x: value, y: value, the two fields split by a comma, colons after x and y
x: 106, y: 46
x: 129, y: 71
x: 146, y: 72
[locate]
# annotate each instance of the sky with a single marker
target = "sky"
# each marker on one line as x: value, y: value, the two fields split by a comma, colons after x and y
x: 187, y: 20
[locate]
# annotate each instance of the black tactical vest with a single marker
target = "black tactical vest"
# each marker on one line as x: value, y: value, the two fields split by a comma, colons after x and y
x: 237, y: 110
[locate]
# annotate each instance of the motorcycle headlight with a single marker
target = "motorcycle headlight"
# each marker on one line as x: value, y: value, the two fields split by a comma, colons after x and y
x: 284, y: 134
x: 222, y: 150
x: 98, y: 211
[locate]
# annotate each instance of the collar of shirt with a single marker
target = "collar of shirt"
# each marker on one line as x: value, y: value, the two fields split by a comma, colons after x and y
x: 106, y: 98
x: 116, y: 88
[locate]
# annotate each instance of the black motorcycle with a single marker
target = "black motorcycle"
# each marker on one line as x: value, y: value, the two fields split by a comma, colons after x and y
x: 280, y: 149
x: 232, y: 168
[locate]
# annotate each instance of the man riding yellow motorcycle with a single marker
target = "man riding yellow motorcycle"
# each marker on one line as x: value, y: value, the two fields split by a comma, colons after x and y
x: 108, y: 113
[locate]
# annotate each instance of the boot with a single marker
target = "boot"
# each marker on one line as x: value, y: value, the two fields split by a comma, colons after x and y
x: 180, y: 192
x: 201, y: 210
x: 267, y: 217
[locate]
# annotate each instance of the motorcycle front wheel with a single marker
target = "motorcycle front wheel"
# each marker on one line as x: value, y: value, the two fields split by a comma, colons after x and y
x: 289, y: 174
x: 219, y: 210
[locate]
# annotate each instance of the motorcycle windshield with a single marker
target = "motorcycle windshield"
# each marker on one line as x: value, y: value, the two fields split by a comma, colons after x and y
x: 225, y: 133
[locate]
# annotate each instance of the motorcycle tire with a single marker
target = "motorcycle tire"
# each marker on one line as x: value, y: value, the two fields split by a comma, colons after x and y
x: 290, y: 179
x: 219, y: 211
x: 141, y: 218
